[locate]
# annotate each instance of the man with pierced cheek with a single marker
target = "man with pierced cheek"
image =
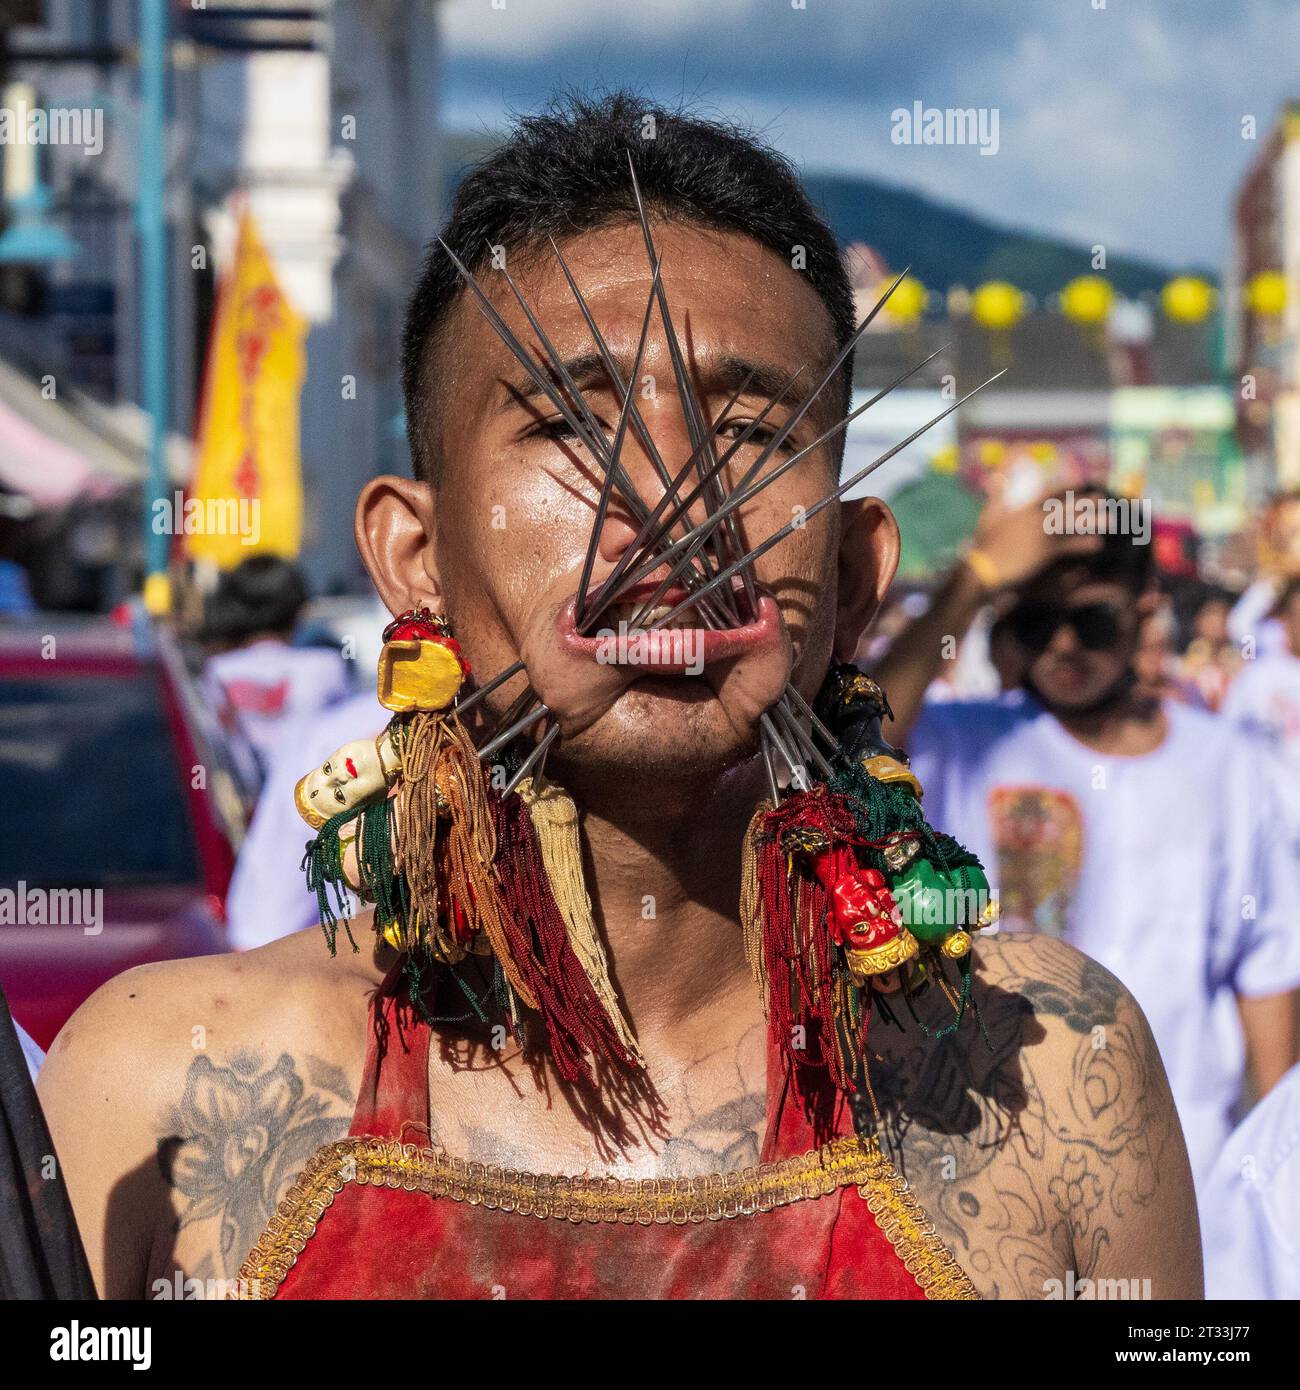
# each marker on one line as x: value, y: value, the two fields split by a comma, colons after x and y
x: 359, y: 1126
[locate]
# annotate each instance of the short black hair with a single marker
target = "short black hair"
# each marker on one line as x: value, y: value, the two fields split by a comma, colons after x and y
x: 261, y: 594
x: 564, y: 170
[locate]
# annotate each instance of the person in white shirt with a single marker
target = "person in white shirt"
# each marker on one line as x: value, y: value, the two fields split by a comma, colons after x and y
x: 1264, y: 700
x: 1145, y: 833
x: 1250, y: 1213
x: 257, y: 674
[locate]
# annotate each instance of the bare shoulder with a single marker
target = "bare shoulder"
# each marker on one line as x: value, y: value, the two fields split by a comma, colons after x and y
x: 141, y: 1025
x: 184, y: 1096
x: 1041, y: 1134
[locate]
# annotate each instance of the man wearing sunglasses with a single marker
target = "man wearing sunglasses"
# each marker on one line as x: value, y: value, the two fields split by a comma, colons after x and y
x: 1144, y: 832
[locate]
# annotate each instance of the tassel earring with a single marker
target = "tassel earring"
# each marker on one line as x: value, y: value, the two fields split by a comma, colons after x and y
x: 410, y: 822
x: 554, y: 814
x: 848, y: 893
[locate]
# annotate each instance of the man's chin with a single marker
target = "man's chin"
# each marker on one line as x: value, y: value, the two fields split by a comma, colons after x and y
x: 674, y: 729
x: 1072, y: 697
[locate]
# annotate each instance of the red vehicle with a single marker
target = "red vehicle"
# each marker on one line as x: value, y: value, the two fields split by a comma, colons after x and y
x: 121, y: 814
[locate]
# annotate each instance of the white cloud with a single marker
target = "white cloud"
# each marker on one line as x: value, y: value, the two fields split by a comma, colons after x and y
x: 533, y: 29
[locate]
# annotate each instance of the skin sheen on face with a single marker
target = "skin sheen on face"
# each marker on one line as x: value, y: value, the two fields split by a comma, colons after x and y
x: 515, y: 504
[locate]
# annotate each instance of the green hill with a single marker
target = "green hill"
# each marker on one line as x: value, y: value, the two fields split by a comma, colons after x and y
x: 946, y: 246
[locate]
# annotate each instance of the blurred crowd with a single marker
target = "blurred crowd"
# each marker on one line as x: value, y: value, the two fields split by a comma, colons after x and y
x: 1121, y: 747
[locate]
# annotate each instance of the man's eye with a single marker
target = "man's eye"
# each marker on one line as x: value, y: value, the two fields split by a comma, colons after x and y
x: 559, y: 430
x: 734, y: 428
x: 338, y: 794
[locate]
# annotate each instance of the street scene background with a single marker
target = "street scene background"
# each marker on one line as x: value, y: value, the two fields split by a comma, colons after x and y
x: 212, y: 217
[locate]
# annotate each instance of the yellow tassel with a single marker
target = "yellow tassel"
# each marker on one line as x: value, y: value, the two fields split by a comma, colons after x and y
x: 555, y: 818
x: 751, y: 903
x: 441, y: 775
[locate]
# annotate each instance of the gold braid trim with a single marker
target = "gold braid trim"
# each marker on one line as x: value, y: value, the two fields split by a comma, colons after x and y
x: 631, y: 1201
x: 924, y: 1255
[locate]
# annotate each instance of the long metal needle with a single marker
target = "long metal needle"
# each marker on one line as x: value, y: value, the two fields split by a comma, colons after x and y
x: 829, y: 738
x: 606, y: 490
x: 799, y: 522
x: 802, y: 737
x: 738, y: 496
x: 799, y: 773
x: 649, y: 536
x: 765, y: 744
x: 641, y: 547
x: 475, y: 696
x: 594, y: 440
x: 517, y: 727
x: 532, y: 759
x: 691, y: 410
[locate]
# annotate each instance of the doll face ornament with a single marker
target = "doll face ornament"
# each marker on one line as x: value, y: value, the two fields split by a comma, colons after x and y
x: 353, y: 774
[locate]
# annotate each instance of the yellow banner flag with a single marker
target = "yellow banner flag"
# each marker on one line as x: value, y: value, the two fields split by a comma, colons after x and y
x: 246, y: 494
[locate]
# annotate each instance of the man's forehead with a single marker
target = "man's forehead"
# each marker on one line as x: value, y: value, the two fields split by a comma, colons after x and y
x: 735, y: 305
x: 1077, y: 584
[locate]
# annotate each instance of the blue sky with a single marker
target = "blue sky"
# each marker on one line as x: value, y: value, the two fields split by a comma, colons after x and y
x: 1118, y: 125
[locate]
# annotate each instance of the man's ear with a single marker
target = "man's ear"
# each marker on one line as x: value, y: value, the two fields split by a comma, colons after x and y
x: 394, y: 531
x: 867, y: 560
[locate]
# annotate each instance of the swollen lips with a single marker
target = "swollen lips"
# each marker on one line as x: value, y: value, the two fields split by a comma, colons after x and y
x: 669, y: 651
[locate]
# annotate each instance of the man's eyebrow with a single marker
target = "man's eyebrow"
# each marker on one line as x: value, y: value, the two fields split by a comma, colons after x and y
x: 586, y: 371
x: 767, y: 379
x: 724, y: 376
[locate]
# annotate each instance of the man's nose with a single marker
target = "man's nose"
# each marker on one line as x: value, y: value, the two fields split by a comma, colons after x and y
x: 1065, y: 641
x: 623, y: 518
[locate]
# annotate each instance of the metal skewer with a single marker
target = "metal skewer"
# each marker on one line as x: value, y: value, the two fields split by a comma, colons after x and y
x: 765, y: 743
x: 798, y: 772
x: 592, y: 438
x: 777, y: 536
x: 535, y: 756
x: 504, y: 737
x: 606, y: 490
x: 500, y: 679
x: 738, y: 496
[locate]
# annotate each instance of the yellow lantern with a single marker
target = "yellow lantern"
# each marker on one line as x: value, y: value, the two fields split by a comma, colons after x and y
x: 907, y: 303
x: 1266, y: 293
x: 1187, y: 299
x: 1087, y: 300
x: 992, y: 453
x: 997, y: 305
x: 945, y: 459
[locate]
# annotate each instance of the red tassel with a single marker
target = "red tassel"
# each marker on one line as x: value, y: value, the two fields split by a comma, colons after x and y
x: 805, y: 844
x: 575, y: 1019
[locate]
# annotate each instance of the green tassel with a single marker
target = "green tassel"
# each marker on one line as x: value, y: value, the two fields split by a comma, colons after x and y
x: 884, y: 808
x: 323, y: 865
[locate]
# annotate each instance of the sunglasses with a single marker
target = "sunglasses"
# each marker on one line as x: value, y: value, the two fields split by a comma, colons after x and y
x: 1096, y: 625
